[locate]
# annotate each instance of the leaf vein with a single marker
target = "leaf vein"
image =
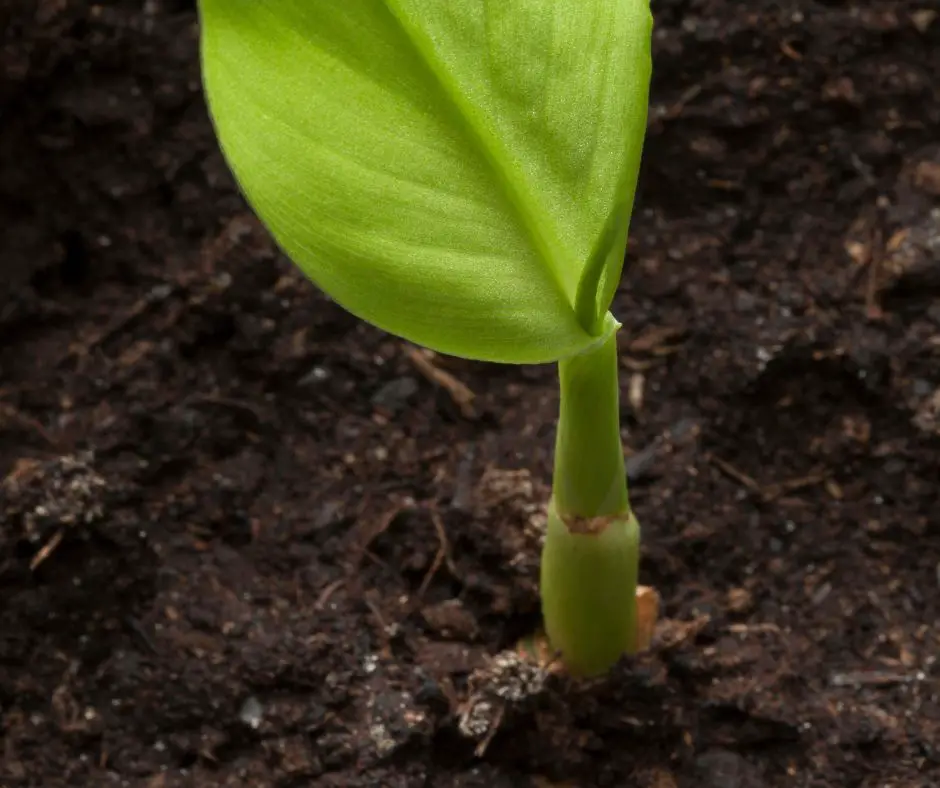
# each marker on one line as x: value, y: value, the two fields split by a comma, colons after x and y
x: 529, y: 213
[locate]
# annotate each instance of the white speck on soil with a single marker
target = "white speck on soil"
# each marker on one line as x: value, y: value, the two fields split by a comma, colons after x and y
x: 508, y: 679
x: 477, y: 719
x: 251, y: 713
x: 65, y: 491
x: 394, y: 720
x: 384, y: 743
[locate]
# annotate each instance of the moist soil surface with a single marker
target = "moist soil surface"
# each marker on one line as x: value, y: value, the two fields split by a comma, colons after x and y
x: 249, y: 540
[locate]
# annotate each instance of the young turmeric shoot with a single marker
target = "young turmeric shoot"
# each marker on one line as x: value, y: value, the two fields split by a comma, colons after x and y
x: 462, y: 175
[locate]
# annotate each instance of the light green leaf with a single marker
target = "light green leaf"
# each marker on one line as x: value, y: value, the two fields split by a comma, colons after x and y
x: 443, y: 169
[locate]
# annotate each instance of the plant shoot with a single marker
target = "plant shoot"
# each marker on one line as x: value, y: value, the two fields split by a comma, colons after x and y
x: 462, y: 175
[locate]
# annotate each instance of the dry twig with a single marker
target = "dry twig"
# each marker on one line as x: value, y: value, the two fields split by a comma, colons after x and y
x: 442, y: 555
x: 874, y: 678
x: 772, y: 491
x: 46, y: 550
x: 81, y: 349
x: 462, y: 396
x: 10, y: 414
x: 380, y: 527
x: 739, y: 476
x: 777, y: 489
x: 873, y: 286
x: 328, y: 592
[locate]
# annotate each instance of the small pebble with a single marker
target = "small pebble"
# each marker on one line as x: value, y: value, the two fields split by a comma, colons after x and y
x: 640, y: 465
x: 251, y: 713
x: 396, y: 394
x: 726, y: 769
x: 314, y: 376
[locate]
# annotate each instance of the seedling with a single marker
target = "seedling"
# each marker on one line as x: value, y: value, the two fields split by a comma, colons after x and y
x: 462, y: 174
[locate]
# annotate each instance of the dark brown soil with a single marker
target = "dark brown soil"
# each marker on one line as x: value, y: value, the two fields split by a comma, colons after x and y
x: 249, y: 541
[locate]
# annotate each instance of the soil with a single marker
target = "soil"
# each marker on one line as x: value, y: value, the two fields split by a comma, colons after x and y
x: 248, y: 540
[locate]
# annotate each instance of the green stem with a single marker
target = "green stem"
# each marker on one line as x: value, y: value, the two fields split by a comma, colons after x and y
x: 590, y: 480
x: 591, y: 553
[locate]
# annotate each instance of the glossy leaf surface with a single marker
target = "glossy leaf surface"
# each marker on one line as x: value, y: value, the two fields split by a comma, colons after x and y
x: 445, y: 170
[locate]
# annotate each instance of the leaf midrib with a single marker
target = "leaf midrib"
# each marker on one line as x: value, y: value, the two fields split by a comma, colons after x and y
x: 528, y: 212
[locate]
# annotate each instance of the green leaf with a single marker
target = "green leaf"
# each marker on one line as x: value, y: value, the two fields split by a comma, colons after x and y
x: 444, y: 170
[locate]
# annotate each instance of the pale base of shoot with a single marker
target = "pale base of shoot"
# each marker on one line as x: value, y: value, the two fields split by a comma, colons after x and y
x: 537, y: 649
